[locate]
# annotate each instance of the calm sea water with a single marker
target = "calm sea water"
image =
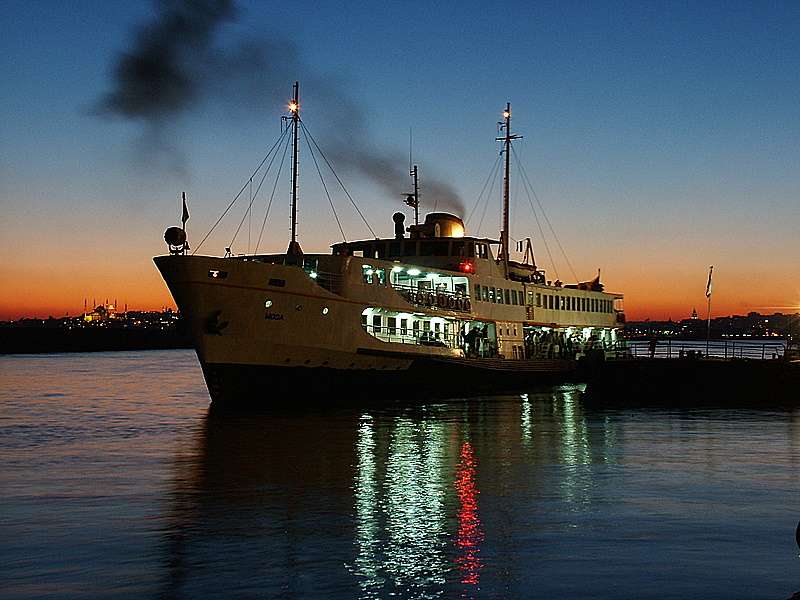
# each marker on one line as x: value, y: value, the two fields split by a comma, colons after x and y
x: 116, y: 481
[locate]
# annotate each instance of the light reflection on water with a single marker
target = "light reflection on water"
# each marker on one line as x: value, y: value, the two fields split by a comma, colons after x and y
x: 118, y: 481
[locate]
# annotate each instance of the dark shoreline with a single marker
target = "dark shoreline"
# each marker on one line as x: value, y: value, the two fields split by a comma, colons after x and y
x: 34, y: 340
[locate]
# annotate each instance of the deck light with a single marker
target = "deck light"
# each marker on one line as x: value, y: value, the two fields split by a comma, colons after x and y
x: 313, y: 274
x: 396, y: 269
x: 414, y: 272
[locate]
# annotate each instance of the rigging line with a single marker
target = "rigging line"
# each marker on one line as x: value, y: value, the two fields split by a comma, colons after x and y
x: 258, y: 189
x: 274, y: 187
x: 324, y: 187
x: 252, y: 199
x: 486, y: 199
x: 544, y: 214
x: 483, y: 189
x: 539, y: 226
x: 235, y: 198
x: 330, y: 166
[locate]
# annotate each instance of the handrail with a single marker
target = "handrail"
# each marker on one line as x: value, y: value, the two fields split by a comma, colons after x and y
x: 724, y: 349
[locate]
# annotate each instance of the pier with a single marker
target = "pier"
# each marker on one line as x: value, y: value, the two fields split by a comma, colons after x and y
x: 685, y: 373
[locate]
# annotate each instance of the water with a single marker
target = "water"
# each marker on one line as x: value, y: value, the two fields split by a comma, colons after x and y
x: 117, y: 482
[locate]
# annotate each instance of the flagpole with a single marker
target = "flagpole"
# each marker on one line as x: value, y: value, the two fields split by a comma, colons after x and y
x: 708, y: 296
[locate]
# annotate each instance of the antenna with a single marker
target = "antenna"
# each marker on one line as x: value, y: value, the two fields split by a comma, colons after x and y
x: 410, y: 147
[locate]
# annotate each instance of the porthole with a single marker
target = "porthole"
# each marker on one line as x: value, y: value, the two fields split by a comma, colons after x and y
x: 268, y: 303
x: 325, y: 310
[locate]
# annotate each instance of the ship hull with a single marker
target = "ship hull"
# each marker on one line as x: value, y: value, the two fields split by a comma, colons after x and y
x: 264, y: 386
x: 267, y: 334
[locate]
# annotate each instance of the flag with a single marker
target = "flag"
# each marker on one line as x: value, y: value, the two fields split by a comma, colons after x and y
x: 708, y: 285
x: 185, y: 215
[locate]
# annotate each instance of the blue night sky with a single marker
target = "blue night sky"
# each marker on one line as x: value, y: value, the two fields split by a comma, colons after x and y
x: 660, y: 137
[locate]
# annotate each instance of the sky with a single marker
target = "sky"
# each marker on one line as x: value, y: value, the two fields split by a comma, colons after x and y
x: 660, y: 138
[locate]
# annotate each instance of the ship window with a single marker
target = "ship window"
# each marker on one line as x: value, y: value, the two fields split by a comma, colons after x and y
x: 364, y: 321
x: 368, y: 272
x: 415, y: 327
x: 403, y: 326
x: 484, y: 294
x: 391, y: 324
x: 477, y: 291
x: 277, y: 282
x: 380, y: 275
x: 218, y: 274
x: 514, y: 297
x: 491, y: 294
x: 539, y: 300
x: 482, y: 250
x: 376, y: 323
x: 499, y: 296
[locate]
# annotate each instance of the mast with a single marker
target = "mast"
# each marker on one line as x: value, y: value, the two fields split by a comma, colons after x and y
x: 294, y: 108
x: 416, y: 194
x: 506, y: 139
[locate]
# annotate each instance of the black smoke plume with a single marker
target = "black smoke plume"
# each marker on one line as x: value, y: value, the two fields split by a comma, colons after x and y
x: 175, y: 63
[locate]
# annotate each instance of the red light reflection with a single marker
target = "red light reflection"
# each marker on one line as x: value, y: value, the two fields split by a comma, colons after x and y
x: 470, y: 533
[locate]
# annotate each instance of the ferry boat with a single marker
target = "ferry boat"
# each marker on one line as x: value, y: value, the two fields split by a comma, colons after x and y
x: 429, y: 309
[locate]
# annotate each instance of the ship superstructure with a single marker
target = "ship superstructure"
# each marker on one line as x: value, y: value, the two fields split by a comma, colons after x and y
x: 428, y: 307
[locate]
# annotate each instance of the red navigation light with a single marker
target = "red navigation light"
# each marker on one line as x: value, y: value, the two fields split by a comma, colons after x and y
x: 466, y: 267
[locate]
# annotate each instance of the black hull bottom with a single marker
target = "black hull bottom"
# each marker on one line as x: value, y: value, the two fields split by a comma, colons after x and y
x: 232, y: 385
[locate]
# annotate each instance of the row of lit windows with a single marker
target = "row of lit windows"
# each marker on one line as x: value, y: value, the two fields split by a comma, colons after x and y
x: 548, y: 301
x: 499, y: 295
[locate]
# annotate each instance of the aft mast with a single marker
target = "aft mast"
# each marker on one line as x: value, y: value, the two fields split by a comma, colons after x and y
x: 506, y: 139
x: 294, y: 108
